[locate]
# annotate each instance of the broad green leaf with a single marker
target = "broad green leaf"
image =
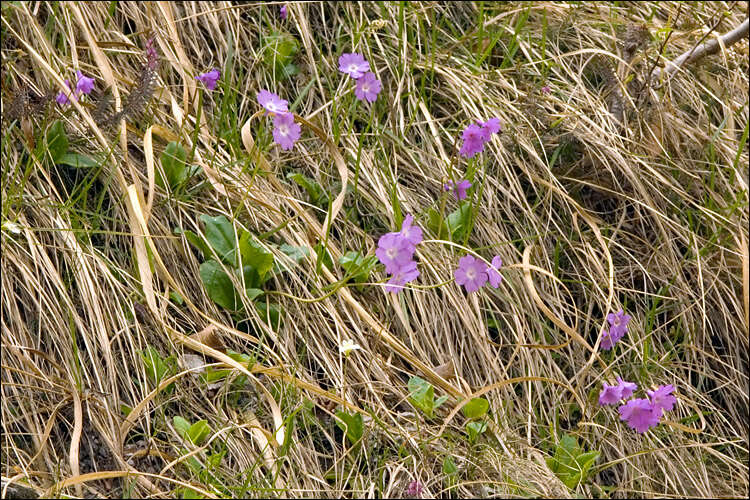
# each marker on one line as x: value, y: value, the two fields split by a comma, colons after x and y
x: 436, y: 223
x: 173, y: 162
x: 239, y: 357
x: 182, y: 426
x: 196, y: 241
x: 218, y: 285
x: 458, y: 220
x: 78, y: 161
x: 357, y: 266
x: 198, y: 432
x: 476, y: 408
x: 297, y: 254
x: 221, y: 236
x: 57, y: 141
x: 157, y: 368
x: 269, y: 314
x: 254, y: 255
x: 439, y: 402
x: 212, y: 375
x: 474, y: 429
x: 352, y: 425
x: 422, y: 395
x: 315, y: 191
x: 323, y: 254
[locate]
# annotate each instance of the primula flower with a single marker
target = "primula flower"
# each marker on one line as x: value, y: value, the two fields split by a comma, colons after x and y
x: 408, y: 272
x: 368, y: 87
x: 414, y: 489
x: 492, y: 126
x: 471, y: 273
x: 459, y: 190
x: 151, y: 55
x: 394, y: 251
x: 609, y: 339
x: 640, y: 414
x: 611, y: 394
x: 619, y: 324
x: 285, y: 131
x: 348, y: 346
x: 272, y: 103
x: 627, y: 387
x: 493, y: 276
x: 546, y: 89
x: 282, y: 12
x: 210, y: 78
x: 411, y: 233
x: 84, y: 85
x: 662, y: 398
x: 62, y: 98
x: 353, y: 65
x: 474, y: 139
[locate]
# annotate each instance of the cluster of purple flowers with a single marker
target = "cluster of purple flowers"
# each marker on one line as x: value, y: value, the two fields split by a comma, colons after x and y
x: 84, y: 85
x: 473, y: 273
x: 476, y: 135
x: 396, y: 252
x: 618, y: 327
x: 285, y: 131
x: 639, y: 413
x: 368, y: 86
x: 457, y: 188
x: 210, y: 78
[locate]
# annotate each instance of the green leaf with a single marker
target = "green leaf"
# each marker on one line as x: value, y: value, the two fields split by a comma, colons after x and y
x: 157, y: 368
x: 212, y: 375
x: 422, y: 395
x: 57, y: 141
x: 196, y: 241
x: 476, y: 408
x: 352, y: 425
x: 326, y: 255
x: 173, y: 162
x: 474, y: 429
x: 269, y: 312
x: 570, y: 463
x: 357, y: 266
x: 315, y: 191
x: 77, y: 161
x: 198, y: 432
x: 458, y: 220
x: 221, y: 236
x: 279, y: 52
x: 436, y: 223
x: 255, y: 256
x: 297, y: 254
x: 218, y: 285
x: 182, y: 426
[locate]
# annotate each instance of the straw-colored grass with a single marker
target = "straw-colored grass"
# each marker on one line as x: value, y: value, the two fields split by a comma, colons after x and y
x: 605, y: 193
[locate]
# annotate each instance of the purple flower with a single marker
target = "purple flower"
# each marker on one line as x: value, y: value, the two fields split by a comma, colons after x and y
x: 610, y: 395
x: 610, y: 338
x: 151, y: 55
x: 411, y: 233
x: 406, y: 273
x: 492, y: 126
x: 619, y: 324
x: 62, y: 98
x: 662, y: 398
x: 282, y: 12
x: 272, y: 103
x: 459, y: 190
x: 354, y: 65
x: 368, y: 87
x: 84, y: 85
x: 210, y: 78
x: 640, y: 414
x: 627, y: 387
x: 493, y: 275
x: 546, y: 89
x: 471, y: 273
x: 474, y: 139
x: 414, y: 489
x: 285, y: 131
x: 394, y: 251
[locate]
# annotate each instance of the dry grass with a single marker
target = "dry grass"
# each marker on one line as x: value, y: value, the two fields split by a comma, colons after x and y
x: 589, y: 214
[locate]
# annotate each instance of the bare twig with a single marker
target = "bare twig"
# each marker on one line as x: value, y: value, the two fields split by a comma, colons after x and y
x: 703, y: 50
